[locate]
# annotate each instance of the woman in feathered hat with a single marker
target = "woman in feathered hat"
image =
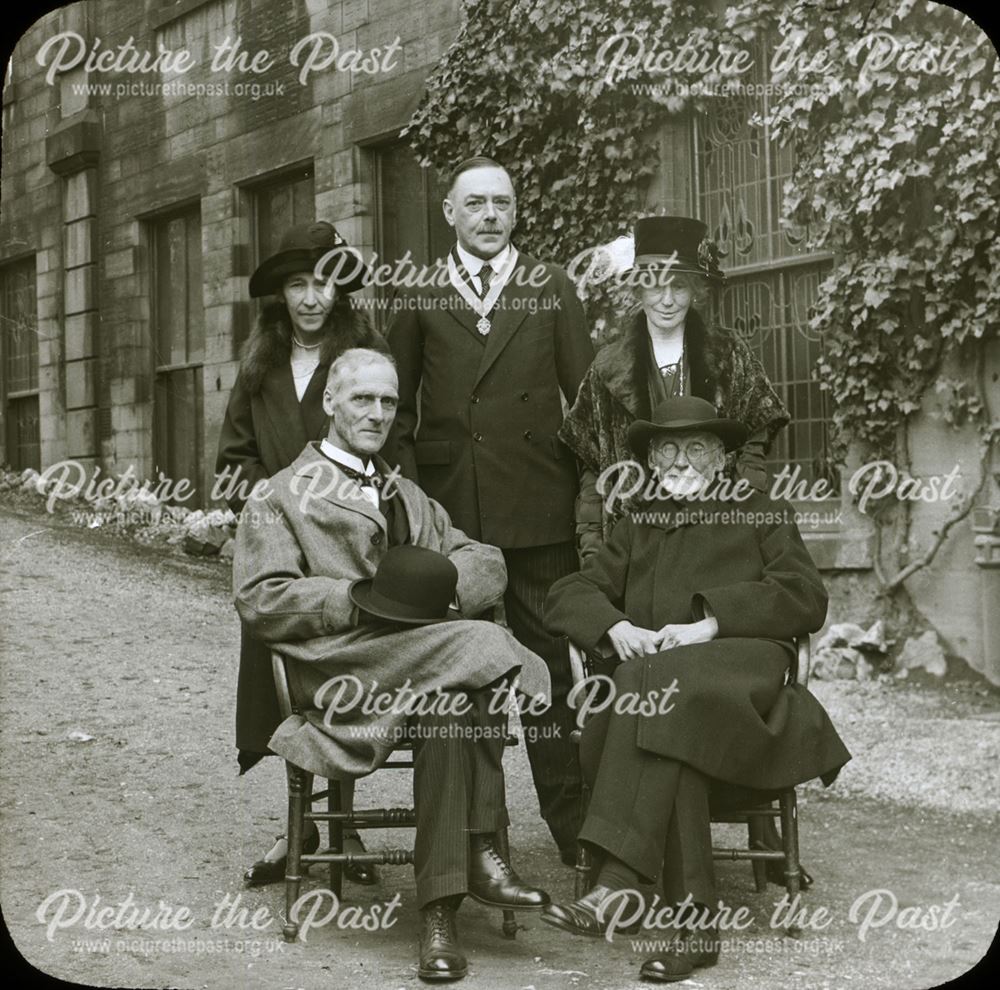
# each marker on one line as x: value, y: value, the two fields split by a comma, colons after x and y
x: 275, y: 408
x: 672, y: 347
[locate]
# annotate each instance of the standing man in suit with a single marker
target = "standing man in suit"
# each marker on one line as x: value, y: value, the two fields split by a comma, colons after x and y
x: 485, y: 363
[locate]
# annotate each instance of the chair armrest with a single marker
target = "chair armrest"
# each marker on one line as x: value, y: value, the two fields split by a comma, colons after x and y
x: 798, y: 671
x: 581, y: 661
x: 285, y: 706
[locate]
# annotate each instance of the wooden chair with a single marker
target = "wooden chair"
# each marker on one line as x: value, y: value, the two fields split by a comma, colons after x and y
x: 300, y: 810
x: 783, y: 807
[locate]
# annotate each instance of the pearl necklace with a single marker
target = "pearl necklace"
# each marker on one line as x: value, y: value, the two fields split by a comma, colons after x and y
x: 305, y: 347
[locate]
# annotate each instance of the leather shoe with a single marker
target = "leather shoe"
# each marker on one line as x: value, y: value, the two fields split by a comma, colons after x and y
x: 690, y: 953
x: 271, y: 869
x: 493, y: 882
x: 440, y: 954
x: 581, y: 917
x: 360, y: 873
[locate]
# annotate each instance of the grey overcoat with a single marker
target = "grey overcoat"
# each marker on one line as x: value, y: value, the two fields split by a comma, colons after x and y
x: 298, y: 548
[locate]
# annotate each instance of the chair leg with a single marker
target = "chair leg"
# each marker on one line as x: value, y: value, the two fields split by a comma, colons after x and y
x: 509, y: 926
x: 790, y: 841
x: 755, y: 840
x: 335, y: 802
x: 584, y: 863
x: 299, y: 786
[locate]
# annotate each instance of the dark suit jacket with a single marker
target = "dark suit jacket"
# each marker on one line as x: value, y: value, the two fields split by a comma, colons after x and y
x: 489, y: 407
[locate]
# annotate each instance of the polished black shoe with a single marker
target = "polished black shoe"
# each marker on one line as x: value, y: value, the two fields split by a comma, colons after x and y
x: 440, y: 954
x: 581, y: 917
x: 271, y: 869
x: 361, y: 873
x: 493, y: 882
x: 691, y: 952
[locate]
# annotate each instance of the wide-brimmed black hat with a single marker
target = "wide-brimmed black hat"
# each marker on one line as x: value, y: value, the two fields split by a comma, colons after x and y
x: 412, y: 585
x: 300, y: 250
x: 657, y: 238
x: 686, y: 414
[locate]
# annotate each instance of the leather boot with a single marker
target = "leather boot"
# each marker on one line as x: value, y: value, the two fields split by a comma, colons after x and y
x: 271, y: 868
x: 440, y: 954
x: 493, y: 882
x: 581, y: 917
x: 700, y: 948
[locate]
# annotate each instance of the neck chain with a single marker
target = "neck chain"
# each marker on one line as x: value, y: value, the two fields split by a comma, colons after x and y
x: 305, y: 347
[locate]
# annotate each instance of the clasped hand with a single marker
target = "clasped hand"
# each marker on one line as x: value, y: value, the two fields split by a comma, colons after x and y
x: 630, y: 641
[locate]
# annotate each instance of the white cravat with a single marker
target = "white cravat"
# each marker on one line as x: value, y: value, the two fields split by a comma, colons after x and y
x: 355, y: 463
x: 474, y: 265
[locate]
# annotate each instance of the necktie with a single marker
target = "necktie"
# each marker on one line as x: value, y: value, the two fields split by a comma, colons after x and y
x: 486, y: 274
x: 370, y: 480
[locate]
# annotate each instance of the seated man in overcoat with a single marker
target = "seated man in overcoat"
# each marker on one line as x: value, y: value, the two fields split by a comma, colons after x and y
x: 700, y: 592
x: 334, y: 564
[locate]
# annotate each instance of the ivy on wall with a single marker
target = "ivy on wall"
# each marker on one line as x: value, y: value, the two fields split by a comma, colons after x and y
x: 892, y: 111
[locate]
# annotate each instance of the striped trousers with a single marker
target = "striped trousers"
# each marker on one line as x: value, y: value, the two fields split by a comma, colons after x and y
x: 555, y: 764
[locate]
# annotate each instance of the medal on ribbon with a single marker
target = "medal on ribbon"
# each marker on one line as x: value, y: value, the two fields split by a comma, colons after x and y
x: 461, y: 281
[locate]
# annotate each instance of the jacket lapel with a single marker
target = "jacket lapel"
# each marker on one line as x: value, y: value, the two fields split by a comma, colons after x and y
x: 456, y: 307
x: 282, y: 406
x: 332, y: 485
x: 511, y: 310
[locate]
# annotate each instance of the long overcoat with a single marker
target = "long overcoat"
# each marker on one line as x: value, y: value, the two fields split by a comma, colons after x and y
x: 298, y: 548
x: 490, y: 407
x: 264, y: 430
x: 732, y: 717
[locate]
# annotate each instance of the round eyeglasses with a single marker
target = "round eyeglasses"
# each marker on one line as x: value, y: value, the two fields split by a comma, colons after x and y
x: 697, y: 452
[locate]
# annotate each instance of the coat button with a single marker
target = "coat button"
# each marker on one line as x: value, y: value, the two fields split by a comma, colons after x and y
x: 524, y: 396
x: 475, y: 399
x: 376, y: 538
x: 527, y: 434
x: 478, y: 437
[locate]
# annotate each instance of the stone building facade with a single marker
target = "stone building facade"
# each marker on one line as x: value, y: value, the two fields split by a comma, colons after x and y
x: 136, y: 203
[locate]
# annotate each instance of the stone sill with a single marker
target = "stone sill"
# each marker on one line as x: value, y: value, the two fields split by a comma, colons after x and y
x: 174, y: 12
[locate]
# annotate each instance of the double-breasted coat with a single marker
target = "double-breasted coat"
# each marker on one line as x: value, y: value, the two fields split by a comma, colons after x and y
x: 264, y: 430
x: 298, y: 549
x: 490, y: 407
x: 732, y: 718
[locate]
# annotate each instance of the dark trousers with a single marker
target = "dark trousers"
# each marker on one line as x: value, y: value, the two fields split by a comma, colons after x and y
x: 555, y: 764
x: 458, y: 789
x: 649, y: 811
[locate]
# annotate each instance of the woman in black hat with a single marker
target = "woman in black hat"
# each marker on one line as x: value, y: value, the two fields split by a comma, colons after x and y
x: 673, y: 346
x: 275, y: 408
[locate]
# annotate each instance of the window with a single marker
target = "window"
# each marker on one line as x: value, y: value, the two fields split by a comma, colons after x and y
x: 770, y: 279
x: 19, y: 354
x: 407, y: 211
x: 179, y: 349
x: 280, y: 203
x: 274, y: 204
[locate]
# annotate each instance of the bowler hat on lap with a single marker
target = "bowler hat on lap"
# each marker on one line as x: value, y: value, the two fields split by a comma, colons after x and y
x: 302, y: 247
x: 687, y: 414
x: 412, y: 585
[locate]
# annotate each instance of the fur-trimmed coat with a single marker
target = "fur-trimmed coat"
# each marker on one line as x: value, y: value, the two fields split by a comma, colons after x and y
x: 265, y: 429
x: 614, y: 393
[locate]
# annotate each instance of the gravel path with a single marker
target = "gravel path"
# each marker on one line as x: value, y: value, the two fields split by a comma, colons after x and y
x: 136, y: 649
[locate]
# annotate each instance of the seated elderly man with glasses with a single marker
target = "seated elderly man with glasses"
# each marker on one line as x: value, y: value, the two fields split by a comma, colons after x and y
x: 699, y: 591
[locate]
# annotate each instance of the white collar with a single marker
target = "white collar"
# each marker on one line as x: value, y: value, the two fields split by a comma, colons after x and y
x: 341, y: 456
x: 474, y: 264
